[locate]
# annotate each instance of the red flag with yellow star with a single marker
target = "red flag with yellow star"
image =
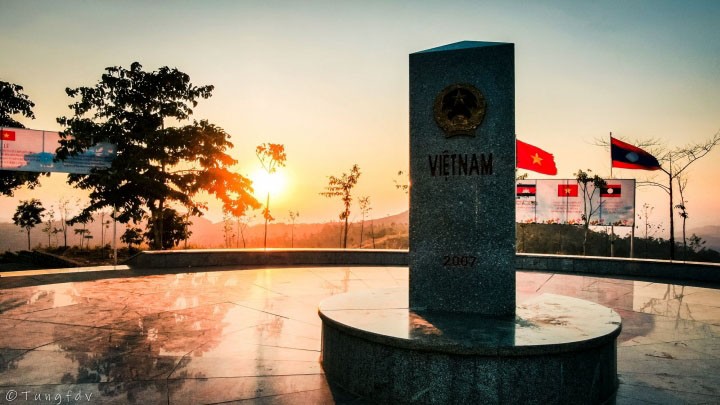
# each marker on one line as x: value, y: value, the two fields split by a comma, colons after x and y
x: 7, y: 135
x: 531, y: 157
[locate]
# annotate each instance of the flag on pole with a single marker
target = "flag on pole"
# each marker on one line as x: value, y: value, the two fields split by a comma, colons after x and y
x: 626, y: 156
x: 531, y: 157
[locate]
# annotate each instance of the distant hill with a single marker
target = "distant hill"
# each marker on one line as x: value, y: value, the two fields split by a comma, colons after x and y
x: 386, y: 230
x: 389, y: 232
x: 401, y: 218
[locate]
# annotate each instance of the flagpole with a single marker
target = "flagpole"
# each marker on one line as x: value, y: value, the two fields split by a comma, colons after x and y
x: 115, y: 259
x: 612, y: 226
x: 611, y: 173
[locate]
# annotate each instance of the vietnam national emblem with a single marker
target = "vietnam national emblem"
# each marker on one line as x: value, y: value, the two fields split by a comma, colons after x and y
x: 459, y: 109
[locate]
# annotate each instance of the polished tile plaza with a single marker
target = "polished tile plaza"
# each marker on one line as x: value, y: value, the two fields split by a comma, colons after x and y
x: 253, y: 336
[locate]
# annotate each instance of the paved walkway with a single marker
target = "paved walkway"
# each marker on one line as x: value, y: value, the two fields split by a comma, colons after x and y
x: 253, y: 336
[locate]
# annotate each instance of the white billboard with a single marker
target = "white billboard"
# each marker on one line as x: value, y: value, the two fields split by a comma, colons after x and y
x: 562, y: 202
x: 34, y: 151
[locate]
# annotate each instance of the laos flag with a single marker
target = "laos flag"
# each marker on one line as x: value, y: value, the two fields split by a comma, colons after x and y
x: 626, y: 156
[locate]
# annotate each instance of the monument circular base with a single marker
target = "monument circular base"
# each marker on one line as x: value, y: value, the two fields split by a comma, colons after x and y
x: 557, y: 350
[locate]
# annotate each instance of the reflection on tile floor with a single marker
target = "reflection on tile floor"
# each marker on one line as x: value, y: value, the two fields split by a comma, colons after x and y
x: 253, y: 336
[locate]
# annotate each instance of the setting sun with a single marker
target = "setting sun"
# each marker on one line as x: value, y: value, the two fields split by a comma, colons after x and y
x: 264, y: 183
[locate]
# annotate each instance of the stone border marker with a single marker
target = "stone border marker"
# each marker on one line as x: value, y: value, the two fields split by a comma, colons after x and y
x: 462, y: 176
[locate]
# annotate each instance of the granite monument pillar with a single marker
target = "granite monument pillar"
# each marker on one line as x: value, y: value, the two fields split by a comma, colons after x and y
x: 462, y: 176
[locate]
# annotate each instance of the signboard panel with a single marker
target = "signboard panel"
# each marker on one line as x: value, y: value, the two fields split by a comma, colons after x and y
x: 34, y: 151
x: 561, y: 201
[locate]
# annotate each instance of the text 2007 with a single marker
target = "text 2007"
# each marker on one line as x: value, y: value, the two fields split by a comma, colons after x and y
x: 459, y: 261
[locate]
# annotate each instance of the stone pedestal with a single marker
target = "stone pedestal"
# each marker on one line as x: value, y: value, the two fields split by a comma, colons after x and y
x: 559, y: 350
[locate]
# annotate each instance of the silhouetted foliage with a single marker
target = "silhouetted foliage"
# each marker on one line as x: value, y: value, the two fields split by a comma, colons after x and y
x: 341, y: 187
x: 84, y: 233
x: 49, y: 226
x: 365, y: 208
x: 155, y: 164
x: 132, y: 236
x: 567, y: 240
x: 175, y: 229
x: 27, y: 215
x: 293, y: 216
x: 14, y: 101
x: 585, y: 180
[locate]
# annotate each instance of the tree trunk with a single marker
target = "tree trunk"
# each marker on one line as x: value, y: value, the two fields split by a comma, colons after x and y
x: 684, y: 241
x: 362, y: 226
x: 372, y: 232
x: 672, y: 220
x: 160, y: 226
x: 102, y: 230
x: 242, y: 235
x: 267, y: 215
x: 156, y: 228
x: 345, y: 233
x: 28, y: 233
x: 585, y: 238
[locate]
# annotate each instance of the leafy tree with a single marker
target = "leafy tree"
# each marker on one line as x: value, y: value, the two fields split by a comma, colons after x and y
x: 365, y: 208
x: 228, y: 234
x: 241, y: 222
x: 14, y: 101
x: 293, y: 216
x: 175, y: 229
x: 271, y: 156
x: 87, y: 238
x: 675, y: 162
x: 27, y: 215
x: 585, y: 181
x: 104, y: 225
x: 49, y: 226
x: 644, y: 216
x: 84, y: 232
x: 682, y: 211
x: 132, y: 236
x: 63, y: 209
x: 342, y: 187
x: 696, y: 243
x: 156, y: 164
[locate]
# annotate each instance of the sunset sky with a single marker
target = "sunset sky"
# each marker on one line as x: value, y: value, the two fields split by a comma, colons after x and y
x: 329, y: 80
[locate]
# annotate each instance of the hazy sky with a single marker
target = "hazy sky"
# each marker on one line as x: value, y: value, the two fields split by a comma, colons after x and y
x: 329, y: 79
